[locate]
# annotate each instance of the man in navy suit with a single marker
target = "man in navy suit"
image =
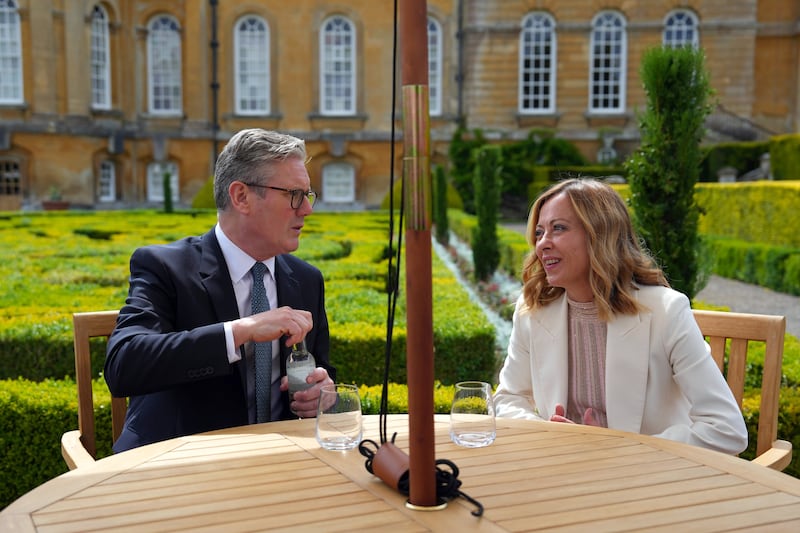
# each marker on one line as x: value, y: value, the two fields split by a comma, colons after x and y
x: 182, y: 349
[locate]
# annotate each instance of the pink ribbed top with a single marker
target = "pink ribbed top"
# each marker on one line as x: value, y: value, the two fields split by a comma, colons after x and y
x: 587, y: 363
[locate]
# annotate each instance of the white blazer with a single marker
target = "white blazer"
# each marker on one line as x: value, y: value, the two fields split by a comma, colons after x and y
x: 660, y: 377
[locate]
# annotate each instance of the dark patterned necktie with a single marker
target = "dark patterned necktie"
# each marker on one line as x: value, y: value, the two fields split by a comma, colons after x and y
x: 263, y: 350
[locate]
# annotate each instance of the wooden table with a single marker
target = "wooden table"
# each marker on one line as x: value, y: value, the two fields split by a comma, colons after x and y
x: 536, y: 475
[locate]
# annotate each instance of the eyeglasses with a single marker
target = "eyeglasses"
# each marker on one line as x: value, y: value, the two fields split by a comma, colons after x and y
x: 297, y: 194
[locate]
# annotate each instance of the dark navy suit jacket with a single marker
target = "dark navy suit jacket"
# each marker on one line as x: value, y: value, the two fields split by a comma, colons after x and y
x: 167, y: 352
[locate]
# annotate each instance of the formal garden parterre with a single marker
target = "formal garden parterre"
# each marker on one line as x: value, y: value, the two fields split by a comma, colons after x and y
x: 56, y: 264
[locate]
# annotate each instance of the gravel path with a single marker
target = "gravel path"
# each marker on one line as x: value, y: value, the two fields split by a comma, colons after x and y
x: 745, y: 298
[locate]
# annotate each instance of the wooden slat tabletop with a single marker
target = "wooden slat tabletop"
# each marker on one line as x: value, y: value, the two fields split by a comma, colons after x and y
x: 536, y: 476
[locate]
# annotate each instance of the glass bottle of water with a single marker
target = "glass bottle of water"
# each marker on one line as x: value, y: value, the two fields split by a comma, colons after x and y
x: 299, y: 365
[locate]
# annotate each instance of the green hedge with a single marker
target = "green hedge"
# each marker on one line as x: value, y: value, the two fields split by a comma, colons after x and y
x: 784, y: 156
x: 80, y: 261
x: 766, y: 212
x: 55, y: 264
x: 743, y: 156
x: 774, y: 267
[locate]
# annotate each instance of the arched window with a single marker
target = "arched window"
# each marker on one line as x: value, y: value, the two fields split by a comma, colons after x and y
x: 338, y: 183
x: 251, y: 66
x: 10, y: 54
x: 100, y: 60
x: 164, y: 66
x: 537, y: 64
x: 434, y: 67
x: 680, y: 29
x: 107, y: 182
x: 155, y: 181
x: 337, y: 52
x: 609, y: 50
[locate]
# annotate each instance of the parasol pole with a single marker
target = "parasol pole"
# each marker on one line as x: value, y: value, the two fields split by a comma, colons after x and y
x: 413, y: 23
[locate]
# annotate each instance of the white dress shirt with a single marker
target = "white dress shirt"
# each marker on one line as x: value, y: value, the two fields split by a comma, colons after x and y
x: 239, y: 265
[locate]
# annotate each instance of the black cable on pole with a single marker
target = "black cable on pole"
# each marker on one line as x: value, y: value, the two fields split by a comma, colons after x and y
x: 392, y: 468
x: 214, y: 43
x: 393, y: 276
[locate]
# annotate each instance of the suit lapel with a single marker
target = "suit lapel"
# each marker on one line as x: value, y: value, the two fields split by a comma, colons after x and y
x: 289, y: 294
x: 216, y: 279
x: 287, y: 284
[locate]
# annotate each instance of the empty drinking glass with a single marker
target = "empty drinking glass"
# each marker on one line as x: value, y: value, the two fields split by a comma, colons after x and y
x: 472, y: 415
x: 339, y: 417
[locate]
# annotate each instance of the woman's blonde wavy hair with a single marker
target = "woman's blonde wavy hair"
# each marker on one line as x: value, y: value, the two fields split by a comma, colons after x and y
x: 617, y: 258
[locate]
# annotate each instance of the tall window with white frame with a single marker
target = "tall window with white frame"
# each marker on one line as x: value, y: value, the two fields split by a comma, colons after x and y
x: 155, y: 181
x: 100, y: 60
x: 434, y: 67
x: 10, y: 54
x: 164, y: 84
x: 337, y: 52
x: 609, y: 50
x: 537, y: 64
x: 338, y: 183
x: 681, y: 29
x: 107, y: 182
x: 251, y: 66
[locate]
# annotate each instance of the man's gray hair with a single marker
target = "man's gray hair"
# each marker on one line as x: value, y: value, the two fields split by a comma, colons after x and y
x: 244, y: 158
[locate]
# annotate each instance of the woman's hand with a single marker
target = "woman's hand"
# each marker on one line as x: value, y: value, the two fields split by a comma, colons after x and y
x: 561, y: 416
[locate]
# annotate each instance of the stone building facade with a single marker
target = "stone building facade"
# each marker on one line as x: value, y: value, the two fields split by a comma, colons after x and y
x: 100, y: 99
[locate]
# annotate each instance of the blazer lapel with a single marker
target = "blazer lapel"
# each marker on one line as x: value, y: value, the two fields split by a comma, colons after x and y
x: 287, y: 284
x: 627, y: 362
x: 216, y: 279
x: 549, y: 357
x: 289, y: 294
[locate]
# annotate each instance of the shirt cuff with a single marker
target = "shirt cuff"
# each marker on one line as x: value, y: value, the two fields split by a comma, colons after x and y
x: 233, y: 353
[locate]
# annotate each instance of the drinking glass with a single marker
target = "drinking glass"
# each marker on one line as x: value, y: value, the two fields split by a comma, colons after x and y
x: 472, y: 415
x: 339, y: 417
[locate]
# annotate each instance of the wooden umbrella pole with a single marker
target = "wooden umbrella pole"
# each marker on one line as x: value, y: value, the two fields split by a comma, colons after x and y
x: 413, y: 19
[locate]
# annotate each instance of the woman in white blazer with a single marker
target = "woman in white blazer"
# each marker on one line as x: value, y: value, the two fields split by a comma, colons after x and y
x: 600, y: 338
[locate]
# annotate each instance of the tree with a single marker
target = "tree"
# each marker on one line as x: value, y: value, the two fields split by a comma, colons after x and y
x: 664, y: 170
x: 462, y: 164
x: 440, y: 206
x: 485, y: 248
x: 167, y: 184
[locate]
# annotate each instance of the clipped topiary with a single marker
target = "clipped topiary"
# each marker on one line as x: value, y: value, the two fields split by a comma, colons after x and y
x: 664, y: 170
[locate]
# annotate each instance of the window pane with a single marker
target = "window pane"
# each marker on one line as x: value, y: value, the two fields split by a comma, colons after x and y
x: 155, y: 181
x: 608, y: 49
x: 537, y: 59
x: 252, y: 66
x: 680, y: 29
x: 337, y: 75
x: 99, y: 61
x: 106, y: 183
x: 10, y: 54
x: 10, y: 178
x: 434, y: 67
x: 338, y: 183
x: 164, y: 53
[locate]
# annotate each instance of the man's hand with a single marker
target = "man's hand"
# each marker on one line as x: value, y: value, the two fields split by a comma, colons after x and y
x: 305, y: 402
x: 272, y: 324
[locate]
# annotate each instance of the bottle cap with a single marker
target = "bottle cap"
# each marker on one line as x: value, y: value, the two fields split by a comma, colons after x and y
x: 300, y: 346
